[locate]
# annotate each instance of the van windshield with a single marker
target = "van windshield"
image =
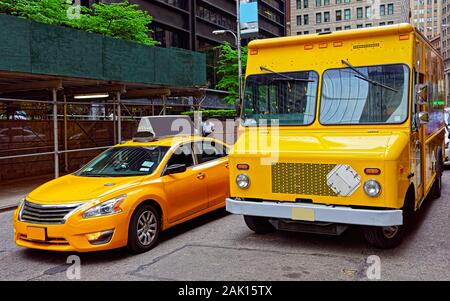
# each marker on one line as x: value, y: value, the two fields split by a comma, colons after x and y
x: 287, y: 97
x: 365, y: 95
x: 124, y: 162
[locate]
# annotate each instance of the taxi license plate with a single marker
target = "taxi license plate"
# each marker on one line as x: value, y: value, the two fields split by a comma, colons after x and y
x: 35, y: 233
x: 304, y: 214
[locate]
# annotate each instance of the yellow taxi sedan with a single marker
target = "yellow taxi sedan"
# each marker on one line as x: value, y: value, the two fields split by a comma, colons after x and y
x: 126, y: 196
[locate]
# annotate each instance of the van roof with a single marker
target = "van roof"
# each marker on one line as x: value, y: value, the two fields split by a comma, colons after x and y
x: 398, y: 29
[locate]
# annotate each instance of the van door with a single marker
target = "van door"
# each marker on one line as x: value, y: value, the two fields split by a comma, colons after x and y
x: 418, y: 139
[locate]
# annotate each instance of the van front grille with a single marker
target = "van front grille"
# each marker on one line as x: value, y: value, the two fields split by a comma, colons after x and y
x: 45, y: 214
x: 301, y: 179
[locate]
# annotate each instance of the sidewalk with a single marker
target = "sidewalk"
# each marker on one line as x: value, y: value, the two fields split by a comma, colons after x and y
x: 12, y: 192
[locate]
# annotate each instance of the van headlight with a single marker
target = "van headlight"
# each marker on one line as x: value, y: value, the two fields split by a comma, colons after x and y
x: 372, y: 188
x: 106, y: 208
x: 243, y: 181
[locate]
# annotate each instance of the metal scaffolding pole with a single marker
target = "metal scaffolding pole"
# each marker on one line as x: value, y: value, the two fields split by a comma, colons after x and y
x: 164, y: 111
x: 66, y: 156
x: 114, y: 120
x: 55, y: 132
x: 119, y: 118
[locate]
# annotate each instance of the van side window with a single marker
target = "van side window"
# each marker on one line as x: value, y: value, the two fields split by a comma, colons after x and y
x: 209, y: 150
x: 183, y: 155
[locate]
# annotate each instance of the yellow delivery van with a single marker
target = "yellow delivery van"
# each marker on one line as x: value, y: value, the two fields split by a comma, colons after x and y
x: 339, y: 129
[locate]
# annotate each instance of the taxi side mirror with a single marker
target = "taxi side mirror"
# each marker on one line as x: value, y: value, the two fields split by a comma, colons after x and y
x: 422, y: 94
x: 175, y: 169
x: 423, y: 117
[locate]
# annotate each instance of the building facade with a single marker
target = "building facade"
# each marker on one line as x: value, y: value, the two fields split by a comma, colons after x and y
x: 445, y: 37
x: 427, y: 17
x: 316, y: 16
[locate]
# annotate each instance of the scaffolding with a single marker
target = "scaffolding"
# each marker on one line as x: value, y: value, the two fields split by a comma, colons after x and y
x: 59, y: 94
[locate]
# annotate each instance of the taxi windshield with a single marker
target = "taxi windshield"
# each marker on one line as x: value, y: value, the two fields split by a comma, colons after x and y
x: 289, y: 98
x: 124, y: 162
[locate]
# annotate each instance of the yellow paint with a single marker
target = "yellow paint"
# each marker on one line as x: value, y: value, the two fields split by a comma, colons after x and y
x: 181, y: 197
x: 389, y: 148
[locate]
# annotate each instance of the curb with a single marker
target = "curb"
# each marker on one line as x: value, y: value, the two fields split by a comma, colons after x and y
x: 8, y: 208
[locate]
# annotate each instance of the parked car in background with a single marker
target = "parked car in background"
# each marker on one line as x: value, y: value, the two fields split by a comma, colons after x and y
x: 126, y: 196
x: 20, y: 134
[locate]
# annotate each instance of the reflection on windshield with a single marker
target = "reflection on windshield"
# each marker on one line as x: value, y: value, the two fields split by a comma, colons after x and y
x: 347, y: 99
x: 124, y: 162
x: 290, y: 98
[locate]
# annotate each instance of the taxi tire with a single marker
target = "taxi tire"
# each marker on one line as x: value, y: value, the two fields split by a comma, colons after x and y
x: 259, y: 225
x: 134, y: 246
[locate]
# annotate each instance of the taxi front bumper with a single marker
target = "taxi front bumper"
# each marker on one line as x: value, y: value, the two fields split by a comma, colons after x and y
x: 72, y: 236
x: 316, y: 213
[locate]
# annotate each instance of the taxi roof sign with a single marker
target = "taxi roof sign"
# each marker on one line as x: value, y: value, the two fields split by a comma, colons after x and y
x: 157, y: 127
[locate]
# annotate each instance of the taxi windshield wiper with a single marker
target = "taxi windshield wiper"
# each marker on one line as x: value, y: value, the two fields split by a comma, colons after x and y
x: 362, y: 76
x: 284, y: 77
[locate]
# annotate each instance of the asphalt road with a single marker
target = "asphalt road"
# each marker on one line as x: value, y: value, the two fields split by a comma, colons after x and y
x: 220, y: 247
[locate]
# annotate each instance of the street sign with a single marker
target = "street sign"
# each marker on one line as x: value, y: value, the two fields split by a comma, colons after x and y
x: 249, y: 23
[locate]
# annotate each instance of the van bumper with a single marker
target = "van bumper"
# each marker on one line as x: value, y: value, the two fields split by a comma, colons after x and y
x: 316, y: 213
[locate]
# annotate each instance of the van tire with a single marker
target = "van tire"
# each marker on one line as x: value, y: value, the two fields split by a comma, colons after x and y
x: 259, y: 225
x: 437, y: 185
x: 377, y: 237
x: 135, y: 245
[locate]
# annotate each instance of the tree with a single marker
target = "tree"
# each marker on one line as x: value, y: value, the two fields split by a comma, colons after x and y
x: 44, y: 11
x: 120, y: 20
x: 228, y: 70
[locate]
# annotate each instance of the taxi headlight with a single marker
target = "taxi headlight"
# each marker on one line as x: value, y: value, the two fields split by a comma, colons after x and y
x: 106, y: 208
x: 243, y: 181
x: 372, y: 188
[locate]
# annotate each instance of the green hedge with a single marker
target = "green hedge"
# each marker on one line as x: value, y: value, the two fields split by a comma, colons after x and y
x: 225, y: 114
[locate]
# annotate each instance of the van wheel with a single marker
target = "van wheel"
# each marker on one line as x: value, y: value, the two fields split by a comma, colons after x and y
x: 144, y: 229
x: 384, y: 237
x: 437, y: 186
x: 259, y: 225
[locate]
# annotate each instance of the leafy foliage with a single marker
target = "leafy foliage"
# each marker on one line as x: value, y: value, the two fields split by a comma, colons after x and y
x: 45, y: 11
x: 221, y: 114
x: 228, y: 70
x: 120, y: 20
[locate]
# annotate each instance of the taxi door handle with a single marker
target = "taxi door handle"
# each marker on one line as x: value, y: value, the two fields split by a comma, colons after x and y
x: 227, y: 165
x: 201, y: 176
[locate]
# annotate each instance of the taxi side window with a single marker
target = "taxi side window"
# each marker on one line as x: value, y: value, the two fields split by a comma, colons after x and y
x: 182, y: 155
x: 209, y: 150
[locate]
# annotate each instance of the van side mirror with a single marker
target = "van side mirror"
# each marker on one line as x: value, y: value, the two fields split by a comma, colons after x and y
x: 175, y: 169
x: 423, y: 117
x: 422, y: 94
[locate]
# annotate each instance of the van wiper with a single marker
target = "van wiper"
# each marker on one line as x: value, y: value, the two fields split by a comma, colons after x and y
x: 365, y: 78
x: 285, y: 77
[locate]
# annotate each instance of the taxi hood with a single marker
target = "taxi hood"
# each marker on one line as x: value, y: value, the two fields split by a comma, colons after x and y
x: 376, y: 145
x: 74, y: 189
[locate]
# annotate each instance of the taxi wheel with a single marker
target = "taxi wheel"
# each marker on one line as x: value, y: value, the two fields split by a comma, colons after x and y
x: 259, y: 225
x: 384, y: 237
x: 144, y: 229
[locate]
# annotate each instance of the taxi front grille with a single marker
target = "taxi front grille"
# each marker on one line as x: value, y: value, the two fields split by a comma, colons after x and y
x: 301, y: 179
x: 45, y: 214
